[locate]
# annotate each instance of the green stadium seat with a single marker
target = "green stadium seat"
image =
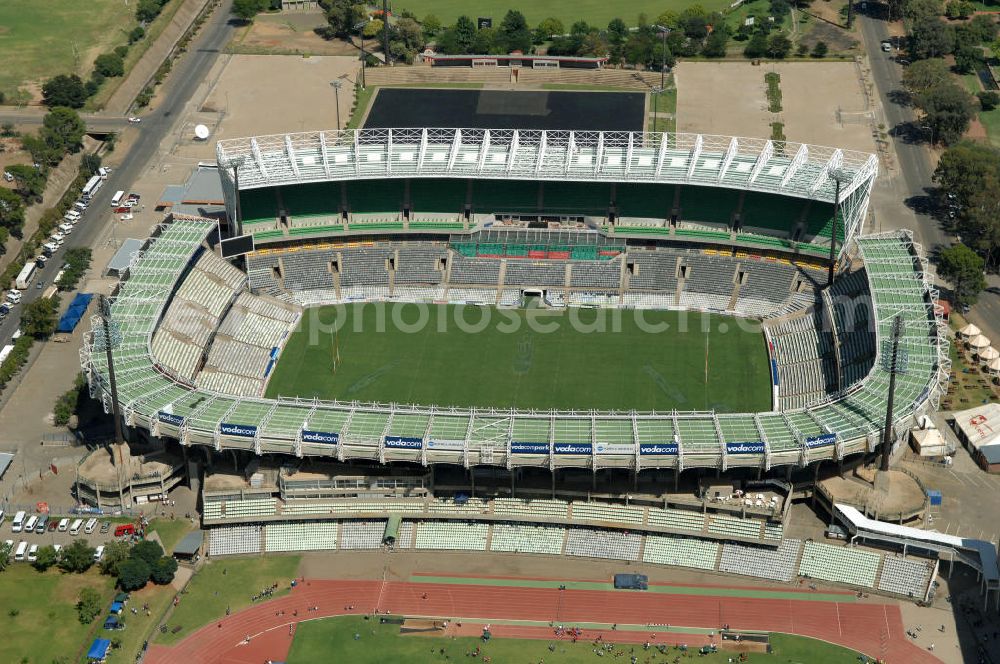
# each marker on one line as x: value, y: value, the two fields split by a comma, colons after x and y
x: 770, y: 212
x: 437, y: 195
x: 586, y: 198
x: 467, y: 249
x: 765, y: 241
x: 819, y: 222
x: 381, y: 226
x: 584, y: 253
x: 642, y: 230
x: 709, y: 205
x: 258, y: 205
x: 651, y: 201
x: 701, y: 235
x: 266, y: 235
x: 311, y: 200
x: 311, y: 230
x: 375, y: 196
x: 498, y: 196
x: 436, y: 225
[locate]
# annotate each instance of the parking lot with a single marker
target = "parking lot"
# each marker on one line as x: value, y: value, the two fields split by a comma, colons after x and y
x: 103, y: 532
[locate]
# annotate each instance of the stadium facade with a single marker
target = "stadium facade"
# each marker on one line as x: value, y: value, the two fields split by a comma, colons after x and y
x: 160, y: 389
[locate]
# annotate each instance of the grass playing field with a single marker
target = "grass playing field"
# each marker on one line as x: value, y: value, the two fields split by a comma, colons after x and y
x: 316, y: 641
x: 42, y: 39
x: 227, y: 583
x: 525, y: 358
x: 595, y: 12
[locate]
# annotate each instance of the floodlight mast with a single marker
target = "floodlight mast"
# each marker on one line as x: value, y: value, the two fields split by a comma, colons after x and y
x: 893, y: 366
x: 838, y: 177
x: 105, y: 307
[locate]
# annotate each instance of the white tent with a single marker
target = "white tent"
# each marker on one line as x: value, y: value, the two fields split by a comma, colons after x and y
x: 928, y: 443
x: 988, y: 353
x: 994, y: 365
x: 970, y: 330
x: 979, y: 341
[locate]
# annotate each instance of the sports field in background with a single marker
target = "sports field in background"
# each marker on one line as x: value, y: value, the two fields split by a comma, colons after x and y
x: 41, y: 39
x: 319, y: 640
x: 595, y: 12
x: 694, y: 362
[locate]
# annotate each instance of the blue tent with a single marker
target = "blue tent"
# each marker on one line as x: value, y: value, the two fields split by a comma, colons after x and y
x: 116, y: 607
x: 99, y: 649
x: 111, y: 622
x: 77, y: 309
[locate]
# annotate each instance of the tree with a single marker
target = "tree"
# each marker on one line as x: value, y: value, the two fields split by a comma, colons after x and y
x: 11, y: 209
x: 373, y: 28
x: 147, y: 10
x: 133, y: 574
x: 916, y: 10
x: 465, y: 33
x: 163, y: 571
x: 988, y: 99
x: 715, y: 44
x: 516, y: 35
x: 137, y: 33
x: 111, y: 65
x: 28, y: 181
x: 91, y: 163
x: 38, y: 319
x: 547, y: 28
x: 964, y: 268
x: 45, y: 558
x: 617, y: 32
x: 88, y: 605
x: 63, y: 90
x: 148, y: 551
x: 65, y: 129
x: 342, y: 16
x: 967, y: 58
x: 756, y: 47
x: 41, y: 148
x: 930, y: 38
x: 431, y: 25
x: 115, y: 553
x: 77, y: 557
x: 923, y: 75
x: 488, y: 41
x: 245, y: 10
x: 778, y: 46
x: 5, y: 554
x: 947, y: 111
x: 820, y: 50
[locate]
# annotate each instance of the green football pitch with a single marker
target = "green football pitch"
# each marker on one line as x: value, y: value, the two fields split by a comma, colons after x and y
x: 360, y: 641
x: 449, y: 355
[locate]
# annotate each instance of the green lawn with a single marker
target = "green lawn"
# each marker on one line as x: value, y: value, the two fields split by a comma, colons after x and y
x: 140, y: 627
x: 229, y: 582
x: 170, y: 531
x: 595, y: 12
x: 991, y: 121
x: 45, y: 627
x: 526, y: 358
x: 42, y: 39
x: 317, y: 640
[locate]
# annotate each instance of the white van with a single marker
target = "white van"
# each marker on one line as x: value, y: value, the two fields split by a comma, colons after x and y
x: 33, y: 553
x: 80, y: 206
x: 72, y: 215
x: 91, y: 524
x: 29, y: 525
x: 63, y: 525
x: 22, y: 548
x: 66, y: 228
x: 116, y: 200
x: 14, y: 296
x: 18, y: 522
x: 103, y: 172
x: 98, y: 553
x: 75, y: 528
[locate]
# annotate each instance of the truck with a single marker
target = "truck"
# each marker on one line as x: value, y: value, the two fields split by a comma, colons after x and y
x: 5, y: 351
x: 25, y: 276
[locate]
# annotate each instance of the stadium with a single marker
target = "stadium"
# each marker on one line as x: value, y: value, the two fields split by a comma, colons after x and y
x: 721, y: 226
x: 338, y: 356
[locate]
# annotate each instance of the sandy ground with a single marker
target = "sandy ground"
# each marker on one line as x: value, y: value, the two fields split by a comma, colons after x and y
x: 290, y: 31
x: 729, y: 98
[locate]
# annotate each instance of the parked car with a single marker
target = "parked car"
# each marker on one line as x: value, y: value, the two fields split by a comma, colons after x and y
x: 105, y: 527
x: 835, y: 532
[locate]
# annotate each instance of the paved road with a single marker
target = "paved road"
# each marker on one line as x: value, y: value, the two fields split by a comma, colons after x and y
x: 33, y: 115
x: 913, y: 176
x: 184, y: 80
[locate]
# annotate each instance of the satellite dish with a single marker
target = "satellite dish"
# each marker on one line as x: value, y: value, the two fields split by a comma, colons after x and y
x: 201, y: 132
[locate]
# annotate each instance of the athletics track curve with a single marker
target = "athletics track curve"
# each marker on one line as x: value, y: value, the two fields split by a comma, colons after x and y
x: 874, y: 629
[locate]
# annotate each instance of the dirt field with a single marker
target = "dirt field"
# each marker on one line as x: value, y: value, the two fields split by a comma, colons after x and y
x: 288, y: 32
x: 729, y: 98
x: 11, y: 154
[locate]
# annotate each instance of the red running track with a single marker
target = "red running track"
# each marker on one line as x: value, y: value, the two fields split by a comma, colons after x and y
x: 874, y: 629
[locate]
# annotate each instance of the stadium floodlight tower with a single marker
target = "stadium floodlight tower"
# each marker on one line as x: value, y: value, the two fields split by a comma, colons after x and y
x: 839, y: 176
x: 894, y: 361
x: 235, y: 162
x: 336, y: 85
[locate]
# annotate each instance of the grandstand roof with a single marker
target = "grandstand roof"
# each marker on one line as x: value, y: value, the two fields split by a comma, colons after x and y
x: 793, y: 169
x: 151, y: 397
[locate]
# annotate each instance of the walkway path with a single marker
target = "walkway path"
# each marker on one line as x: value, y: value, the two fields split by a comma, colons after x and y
x: 875, y: 629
